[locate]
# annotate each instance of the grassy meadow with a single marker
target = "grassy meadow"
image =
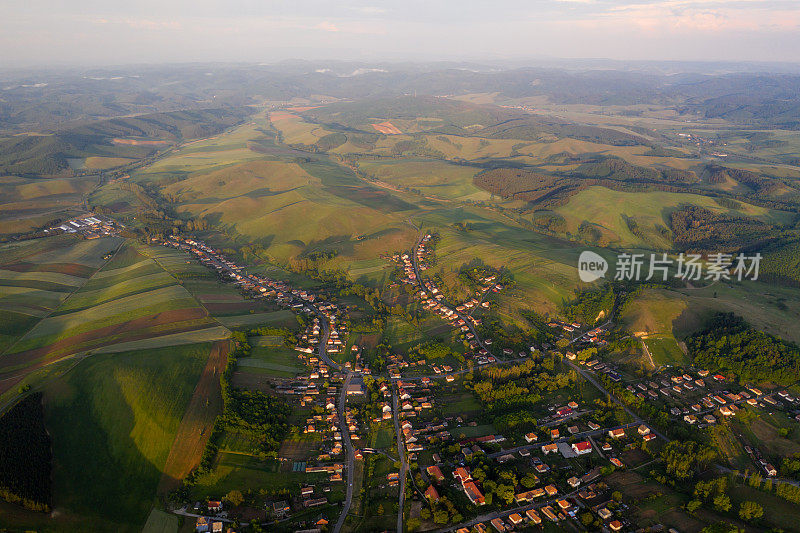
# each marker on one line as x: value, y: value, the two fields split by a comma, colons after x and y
x: 113, y: 419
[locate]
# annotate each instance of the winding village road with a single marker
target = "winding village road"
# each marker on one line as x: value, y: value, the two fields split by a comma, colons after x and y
x: 403, y: 463
x: 350, y: 454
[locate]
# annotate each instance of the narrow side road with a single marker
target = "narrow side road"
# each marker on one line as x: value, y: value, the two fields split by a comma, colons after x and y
x: 403, y: 463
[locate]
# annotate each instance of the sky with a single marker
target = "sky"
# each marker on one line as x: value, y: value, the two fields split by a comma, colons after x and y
x: 105, y: 32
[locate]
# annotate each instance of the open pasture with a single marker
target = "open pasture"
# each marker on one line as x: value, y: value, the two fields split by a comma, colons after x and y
x: 113, y: 419
x: 610, y: 210
x: 29, y: 203
x: 434, y: 178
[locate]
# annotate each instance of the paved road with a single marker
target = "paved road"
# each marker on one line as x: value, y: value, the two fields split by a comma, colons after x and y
x: 403, y: 464
x: 348, y: 474
x: 323, y: 341
x: 565, y: 438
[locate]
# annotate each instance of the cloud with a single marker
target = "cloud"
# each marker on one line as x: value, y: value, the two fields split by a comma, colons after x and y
x: 689, y: 16
x: 148, y: 24
x: 327, y: 25
x: 368, y: 10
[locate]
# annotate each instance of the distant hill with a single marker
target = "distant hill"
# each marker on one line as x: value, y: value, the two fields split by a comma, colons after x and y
x: 48, y: 154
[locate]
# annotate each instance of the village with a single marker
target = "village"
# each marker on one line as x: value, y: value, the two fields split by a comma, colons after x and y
x: 439, y: 456
x: 429, y: 439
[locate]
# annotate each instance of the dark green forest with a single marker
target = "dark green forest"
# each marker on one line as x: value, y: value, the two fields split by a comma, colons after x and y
x: 728, y: 343
x: 25, y: 455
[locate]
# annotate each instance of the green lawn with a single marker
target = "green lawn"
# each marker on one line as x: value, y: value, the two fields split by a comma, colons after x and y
x: 274, y: 360
x: 240, y: 471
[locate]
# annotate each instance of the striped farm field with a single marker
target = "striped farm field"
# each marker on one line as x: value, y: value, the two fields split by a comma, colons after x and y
x: 110, y: 275
x: 90, y: 297
x: 28, y: 296
x: 131, y: 303
x: 214, y: 333
x: 12, y: 277
x: 113, y: 312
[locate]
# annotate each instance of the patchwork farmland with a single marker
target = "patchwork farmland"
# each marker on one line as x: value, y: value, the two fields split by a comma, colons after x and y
x: 124, y: 298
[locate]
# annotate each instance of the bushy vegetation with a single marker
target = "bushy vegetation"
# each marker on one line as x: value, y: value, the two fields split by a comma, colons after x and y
x: 698, y: 229
x: 25, y: 455
x: 260, y: 416
x: 508, y: 393
x: 685, y: 459
x: 728, y: 343
x: 588, y: 304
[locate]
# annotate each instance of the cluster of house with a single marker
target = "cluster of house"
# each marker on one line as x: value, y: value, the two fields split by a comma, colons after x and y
x: 593, y: 337
x: 758, y: 459
x: 553, y: 507
x: 257, y: 286
x: 88, y: 226
x: 459, y: 316
x: 205, y: 524
x: 567, y: 327
x: 281, y: 509
x: 698, y: 397
x: 328, y: 425
x: 414, y: 399
x: 609, y: 369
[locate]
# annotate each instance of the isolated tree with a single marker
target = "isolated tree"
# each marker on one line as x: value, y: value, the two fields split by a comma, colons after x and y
x: 235, y: 498
x: 750, y: 511
x: 722, y: 503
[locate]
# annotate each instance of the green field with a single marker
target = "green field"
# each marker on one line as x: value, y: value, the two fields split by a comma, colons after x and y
x: 434, y: 178
x: 275, y: 361
x: 233, y: 471
x: 272, y: 318
x: 160, y: 522
x: 665, y: 351
x: 27, y: 203
x: 113, y: 419
x: 609, y: 208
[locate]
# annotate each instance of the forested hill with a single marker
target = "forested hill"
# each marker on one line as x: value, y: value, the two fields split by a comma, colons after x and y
x: 729, y: 344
